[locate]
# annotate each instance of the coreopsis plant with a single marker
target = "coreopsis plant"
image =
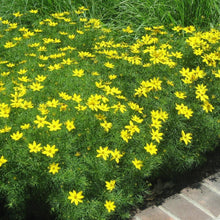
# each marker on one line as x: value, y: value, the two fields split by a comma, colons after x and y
x: 90, y: 116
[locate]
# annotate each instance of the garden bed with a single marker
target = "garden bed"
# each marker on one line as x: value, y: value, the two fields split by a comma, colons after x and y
x: 161, y: 189
x: 94, y: 116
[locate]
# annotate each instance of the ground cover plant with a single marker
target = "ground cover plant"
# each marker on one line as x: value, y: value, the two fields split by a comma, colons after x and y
x: 91, y: 114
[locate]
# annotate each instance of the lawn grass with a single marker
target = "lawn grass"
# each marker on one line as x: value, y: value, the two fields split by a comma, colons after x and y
x: 137, y: 13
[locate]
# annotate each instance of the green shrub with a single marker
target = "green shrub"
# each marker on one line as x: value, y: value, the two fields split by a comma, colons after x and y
x: 89, y: 115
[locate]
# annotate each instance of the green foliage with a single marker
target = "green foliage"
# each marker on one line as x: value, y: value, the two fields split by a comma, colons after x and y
x: 91, y: 114
x: 138, y: 13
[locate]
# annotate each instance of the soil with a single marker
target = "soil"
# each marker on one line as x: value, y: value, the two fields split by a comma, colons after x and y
x: 161, y: 189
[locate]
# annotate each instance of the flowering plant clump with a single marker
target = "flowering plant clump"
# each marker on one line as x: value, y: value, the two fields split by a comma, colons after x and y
x: 89, y: 115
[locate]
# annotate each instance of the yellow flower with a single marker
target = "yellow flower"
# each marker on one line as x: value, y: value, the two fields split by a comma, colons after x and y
x: 17, y: 14
x: 70, y: 125
x: 23, y: 29
x: 5, y: 73
x: 151, y: 148
x: 217, y: 75
x: 5, y: 129
x: 188, y: 113
x: 207, y: 107
x: 200, y: 92
x: 116, y: 155
x: 40, y: 121
x: 83, y: 19
x: 63, y: 33
x: 120, y: 107
x: 137, y: 119
x: 2, y: 160
x: 93, y: 102
x: 109, y: 65
x: 184, y: 110
x: 110, y: 206
x: 180, y: 95
x: 95, y: 73
x: 177, y: 28
x: 53, y: 104
x: 83, y: 54
x: 103, y: 152
x: 106, y: 30
x: 132, y: 128
x: 111, y: 91
x: 76, y: 197
x: 22, y: 71
x: 54, y: 168
x: 33, y: 11
x: 52, y: 24
x: 155, y: 114
x: 181, y: 108
x: 50, y: 150
x: 67, y: 61
x: 125, y: 135
x: 178, y: 55
x: 186, y: 137
x: 158, y: 56
x: 79, y: 32
x: 110, y: 185
x: 95, y: 22
x: 4, y: 110
x: 36, y: 86
x: 198, y: 51
x: 16, y: 136
x: 34, y: 147
x: 78, y: 72
x: 156, y: 123
x: 71, y: 36
x: 54, y: 125
x: 34, y: 45
x: 5, y: 22
x: 42, y: 57
x: 63, y: 107
x: 128, y: 30
x: 155, y: 83
x: 40, y: 78
x: 121, y: 97
x: 54, y: 67
x: 25, y: 126
x: 100, y: 117
x: 136, y: 107
x: 137, y: 163
x: 189, y: 29
x: 170, y: 83
x: 76, y: 98
x: 111, y: 77
x: 103, y: 107
x: 80, y: 107
x: 10, y: 65
x: 106, y: 125
x: 65, y: 96
x: 24, y: 79
x: 9, y: 44
x: 42, y: 48
x: 77, y: 154
x: 156, y: 135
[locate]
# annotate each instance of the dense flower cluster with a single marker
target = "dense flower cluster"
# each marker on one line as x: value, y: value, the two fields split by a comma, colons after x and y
x: 67, y: 89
